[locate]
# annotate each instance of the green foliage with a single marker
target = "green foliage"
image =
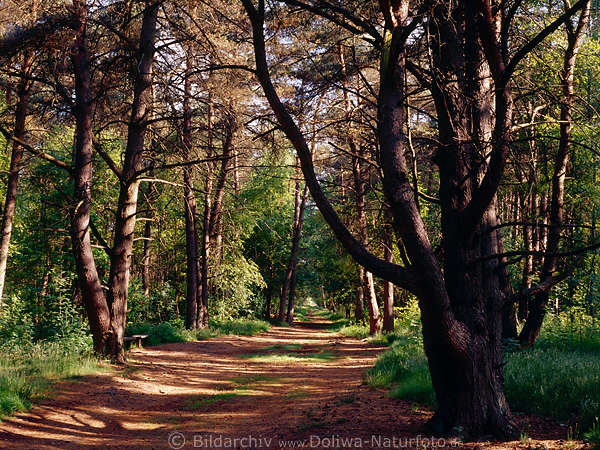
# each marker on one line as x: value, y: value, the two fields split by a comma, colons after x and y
x: 240, y: 327
x: 62, y: 317
x: 16, y: 324
x: 174, y: 331
x: 593, y: 436
x: 162, y: 333
x: 237, y: 282
x: 160, y: 306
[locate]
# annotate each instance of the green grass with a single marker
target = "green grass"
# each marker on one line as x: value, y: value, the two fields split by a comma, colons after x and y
x: 296, y: 394
x: 246, y: 381
x: 593, y: 436
x: 169, y: 332
x: 282, y: 347
x: 239, y: 387
x: 559, y: 377
x: 27, y: 374
x: 201, y: 401
x: 322, y: 355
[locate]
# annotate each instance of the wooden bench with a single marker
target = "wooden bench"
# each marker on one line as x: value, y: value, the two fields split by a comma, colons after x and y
x: 138, y: 338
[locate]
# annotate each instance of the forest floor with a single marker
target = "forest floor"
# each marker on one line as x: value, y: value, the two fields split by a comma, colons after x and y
x: 286, y: 388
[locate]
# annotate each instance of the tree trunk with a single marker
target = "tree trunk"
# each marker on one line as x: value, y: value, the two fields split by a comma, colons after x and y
x: 359, y: 302
x: 203, y: 317
x: 87, y: 274
x: 289, y: 272
x: 388, y: 288
x: 192, y: 277
x: 146, y: 256
x: 129, y: 188
x: 366, y: 279
x: 10, y: 202
x: 461, y: 304
x: 294, y: 253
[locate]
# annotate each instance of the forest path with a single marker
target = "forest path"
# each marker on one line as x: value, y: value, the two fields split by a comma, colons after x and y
x: 302, y: 384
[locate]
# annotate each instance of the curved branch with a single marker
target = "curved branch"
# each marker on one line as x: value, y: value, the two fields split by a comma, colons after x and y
x: 381, y: 268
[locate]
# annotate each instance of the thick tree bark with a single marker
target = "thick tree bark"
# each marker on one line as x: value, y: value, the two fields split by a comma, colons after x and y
x: 129, y: 188
x: 10, y: 202
x: 533, y: 324
x: 87, y: 274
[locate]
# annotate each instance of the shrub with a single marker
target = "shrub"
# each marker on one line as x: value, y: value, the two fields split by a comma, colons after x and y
x: 174, y: 331
x: 16, y: 325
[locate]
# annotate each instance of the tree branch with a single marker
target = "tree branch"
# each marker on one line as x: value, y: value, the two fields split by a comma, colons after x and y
x: 381, y: 268
x: 57, y: 162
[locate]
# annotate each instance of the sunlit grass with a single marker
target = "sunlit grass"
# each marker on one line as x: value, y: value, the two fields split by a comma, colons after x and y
x: 282, y: 347
x: 27, y: 374
x: 323, y: 355
x: 201, y: 401
x: 252, y: 380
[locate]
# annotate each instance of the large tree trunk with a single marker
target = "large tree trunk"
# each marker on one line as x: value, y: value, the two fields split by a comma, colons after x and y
x: 87, y: 274
x: 461, y: 303
x: 129, y: 188
x: 10, y: 202
x: 533, y: 324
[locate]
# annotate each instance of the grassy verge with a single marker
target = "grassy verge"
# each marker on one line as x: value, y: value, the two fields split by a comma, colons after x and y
x: 27, y: 372
x: 169, y: 332
x: 559, y: 377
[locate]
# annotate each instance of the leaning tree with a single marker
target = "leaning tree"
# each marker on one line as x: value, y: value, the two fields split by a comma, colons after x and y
x: 463, y: 54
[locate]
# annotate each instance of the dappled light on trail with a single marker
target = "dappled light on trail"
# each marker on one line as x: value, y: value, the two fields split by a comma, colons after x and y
x: 212, y: 388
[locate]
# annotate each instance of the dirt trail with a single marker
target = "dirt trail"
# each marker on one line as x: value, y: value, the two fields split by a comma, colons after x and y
x: 211, y: 392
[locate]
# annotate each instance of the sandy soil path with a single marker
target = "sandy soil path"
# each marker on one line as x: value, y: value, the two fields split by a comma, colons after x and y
x: 232, y: 392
